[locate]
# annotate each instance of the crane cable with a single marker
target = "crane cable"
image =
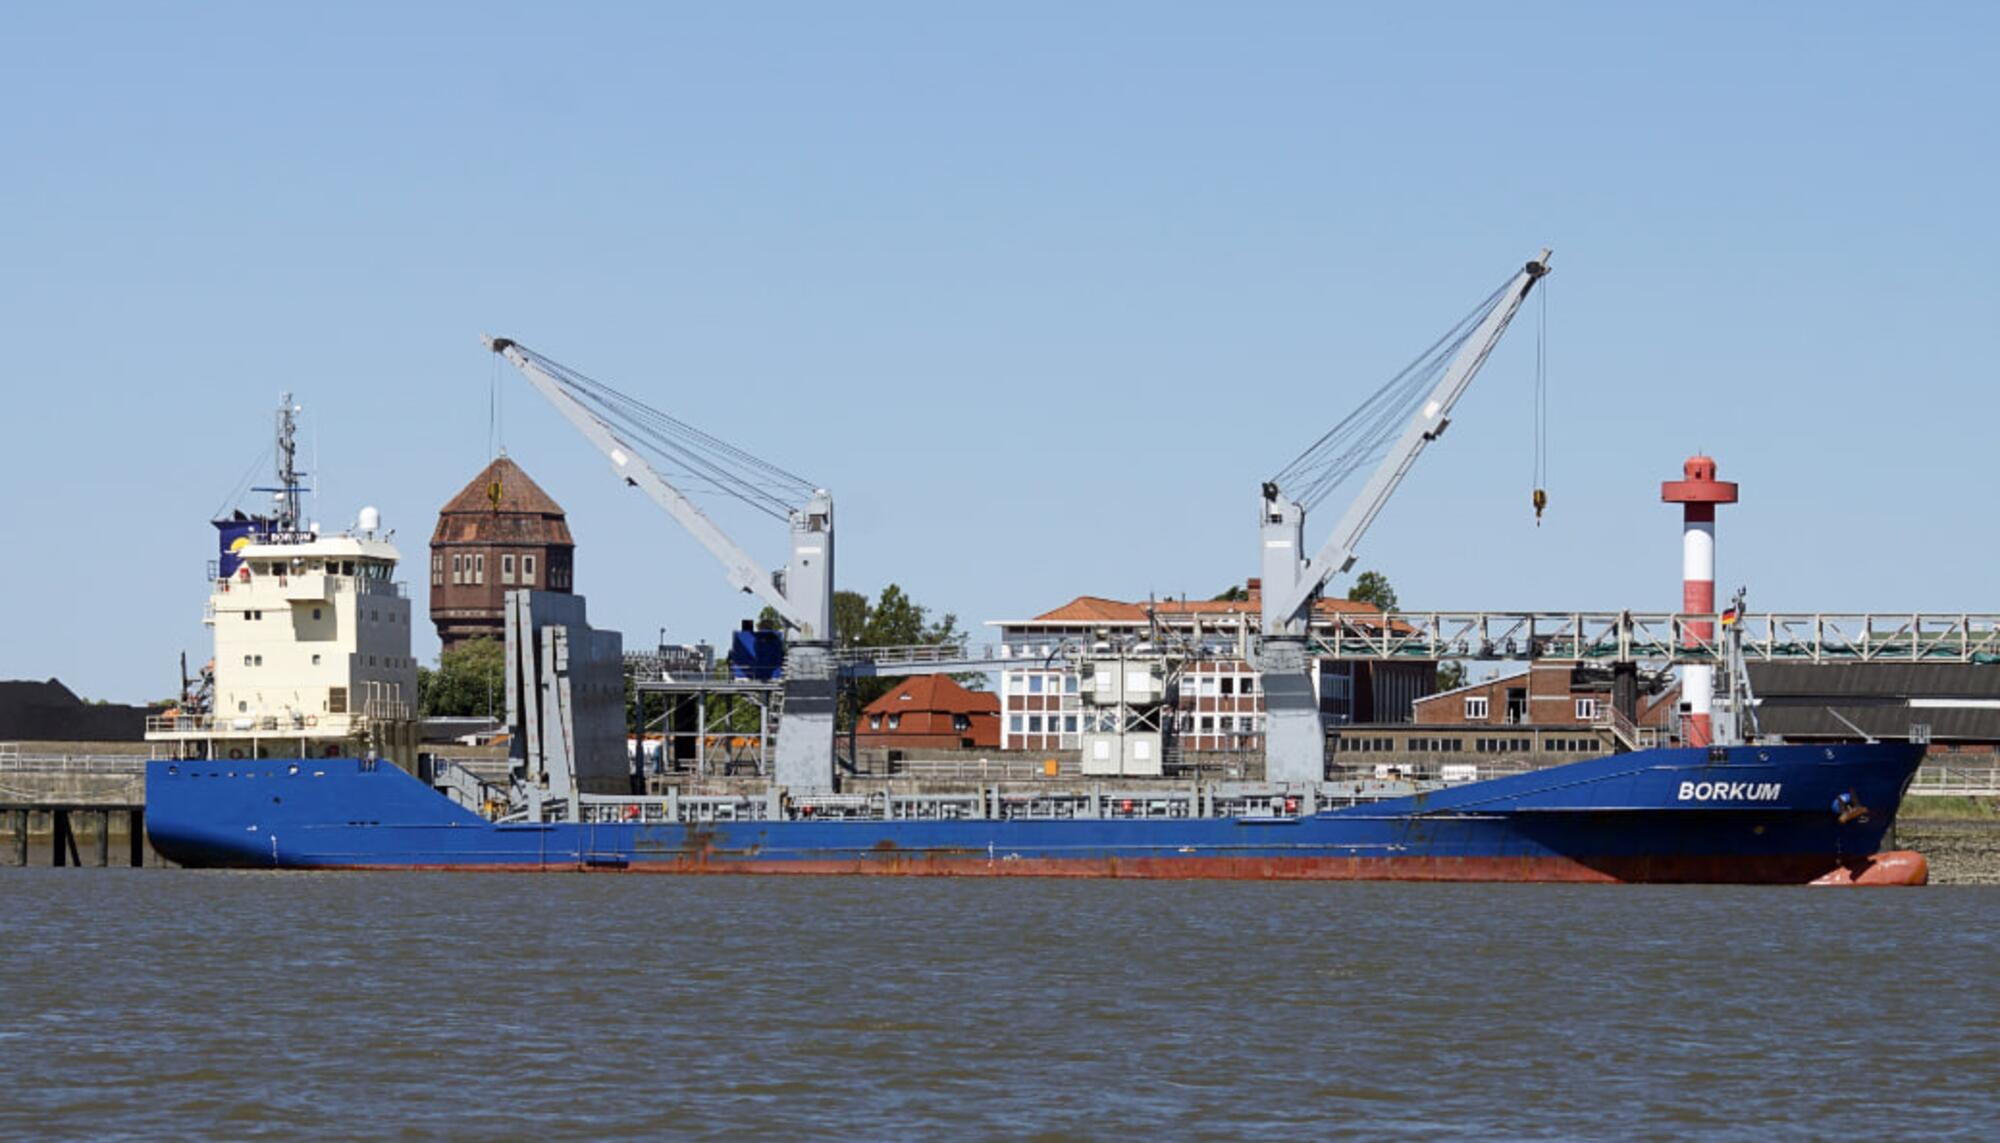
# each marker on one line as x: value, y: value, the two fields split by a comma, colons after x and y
x: 705, y: 463
x: 1363, y: 437
x: 1541, y: 409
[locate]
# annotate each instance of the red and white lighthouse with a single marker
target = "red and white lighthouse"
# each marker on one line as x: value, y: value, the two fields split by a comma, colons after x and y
x: 1698, y: 492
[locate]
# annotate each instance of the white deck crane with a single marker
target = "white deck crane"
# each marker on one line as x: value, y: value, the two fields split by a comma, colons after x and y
x: 802, y: 592
x: 1295, y: 739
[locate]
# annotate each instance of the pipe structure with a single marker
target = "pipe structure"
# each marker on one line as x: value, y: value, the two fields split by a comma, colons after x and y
x: 1698, y: 492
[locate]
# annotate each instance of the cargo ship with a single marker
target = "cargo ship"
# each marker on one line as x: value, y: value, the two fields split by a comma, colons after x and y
x: 1745, y: 815
x: 305, y: 759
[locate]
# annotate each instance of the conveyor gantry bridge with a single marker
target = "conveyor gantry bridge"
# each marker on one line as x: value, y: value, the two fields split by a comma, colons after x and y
x: 1658, y: 638
x: 1665, y: 637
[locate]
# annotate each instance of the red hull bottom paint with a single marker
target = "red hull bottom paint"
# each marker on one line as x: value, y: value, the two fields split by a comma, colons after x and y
x: 1900, y: 867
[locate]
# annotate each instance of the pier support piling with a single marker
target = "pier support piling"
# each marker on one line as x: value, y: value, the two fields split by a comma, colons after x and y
x: 103, y: 838
x: 18, y: 820
x: 135, y: 837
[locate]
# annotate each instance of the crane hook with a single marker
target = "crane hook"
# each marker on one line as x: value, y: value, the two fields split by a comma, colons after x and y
x: 1541, y: 502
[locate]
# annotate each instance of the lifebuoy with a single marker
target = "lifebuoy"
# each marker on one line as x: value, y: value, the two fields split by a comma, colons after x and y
x: 243, y: 573
x: 312, y: 720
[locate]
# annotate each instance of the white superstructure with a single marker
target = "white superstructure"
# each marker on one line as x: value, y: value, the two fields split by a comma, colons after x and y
x: 312, y: 643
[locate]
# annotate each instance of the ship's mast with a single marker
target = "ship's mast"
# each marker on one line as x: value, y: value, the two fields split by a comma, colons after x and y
x: 286, y: 495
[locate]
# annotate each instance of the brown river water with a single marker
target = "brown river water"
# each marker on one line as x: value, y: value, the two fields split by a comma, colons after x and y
x: 161, y: 1003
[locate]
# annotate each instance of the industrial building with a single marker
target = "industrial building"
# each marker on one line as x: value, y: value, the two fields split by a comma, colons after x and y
x: 1546, y: 712
x: 1551, y: 696
x: 1219, y: 702
x: 500, y: 533
x: 1953, y: 706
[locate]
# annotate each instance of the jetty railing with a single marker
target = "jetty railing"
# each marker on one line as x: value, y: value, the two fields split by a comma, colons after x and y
x: 128, y: 764
x: 1956, y: 781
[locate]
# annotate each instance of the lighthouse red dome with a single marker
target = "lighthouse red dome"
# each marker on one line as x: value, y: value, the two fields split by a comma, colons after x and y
x: 1699, y: 485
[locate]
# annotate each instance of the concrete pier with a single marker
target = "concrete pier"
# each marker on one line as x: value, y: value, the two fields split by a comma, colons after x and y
x: 74, y: 835
x: 60, y: 797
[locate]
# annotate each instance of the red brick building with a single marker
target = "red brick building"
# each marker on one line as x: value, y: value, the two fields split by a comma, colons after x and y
x: 500, y: 533
x: 931, y: 712
x: 1551, y: 695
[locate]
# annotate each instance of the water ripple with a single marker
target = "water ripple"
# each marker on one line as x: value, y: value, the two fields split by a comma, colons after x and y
x: 149, y: 1003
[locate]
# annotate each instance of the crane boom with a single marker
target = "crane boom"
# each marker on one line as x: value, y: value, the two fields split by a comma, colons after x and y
x: 1291, y: 582
x: 805, y: 598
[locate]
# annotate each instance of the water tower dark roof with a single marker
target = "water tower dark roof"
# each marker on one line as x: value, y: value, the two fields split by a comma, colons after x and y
x: 502, y: 504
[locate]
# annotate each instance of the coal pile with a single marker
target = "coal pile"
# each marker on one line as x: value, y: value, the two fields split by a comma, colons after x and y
x: 51, y: 712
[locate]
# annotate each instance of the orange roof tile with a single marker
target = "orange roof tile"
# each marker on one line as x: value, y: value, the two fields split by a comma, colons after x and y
x: 1094, y: 609
x: 1097, y: 609
x: 934, y: 693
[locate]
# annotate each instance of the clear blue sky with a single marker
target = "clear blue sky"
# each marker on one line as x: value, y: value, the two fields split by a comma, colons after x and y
x: 1041, y: 292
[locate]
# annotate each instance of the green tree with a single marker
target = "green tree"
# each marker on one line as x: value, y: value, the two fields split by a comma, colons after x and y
x: 1237, y: 593
x: 850, y: 617
x: 893, y: 619
x: 1372, y: 587
x: 1451, y: 675
x: 470, y: 679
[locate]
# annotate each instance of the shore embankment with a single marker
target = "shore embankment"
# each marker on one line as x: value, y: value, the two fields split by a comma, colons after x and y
x: 1959, y: 836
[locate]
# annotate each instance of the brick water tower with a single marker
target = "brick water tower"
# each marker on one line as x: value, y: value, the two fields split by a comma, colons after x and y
x: 1698, y: 492
x: 500, y: 533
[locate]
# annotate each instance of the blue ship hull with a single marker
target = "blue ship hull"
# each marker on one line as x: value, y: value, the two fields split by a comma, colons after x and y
x: 1780, y: 814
